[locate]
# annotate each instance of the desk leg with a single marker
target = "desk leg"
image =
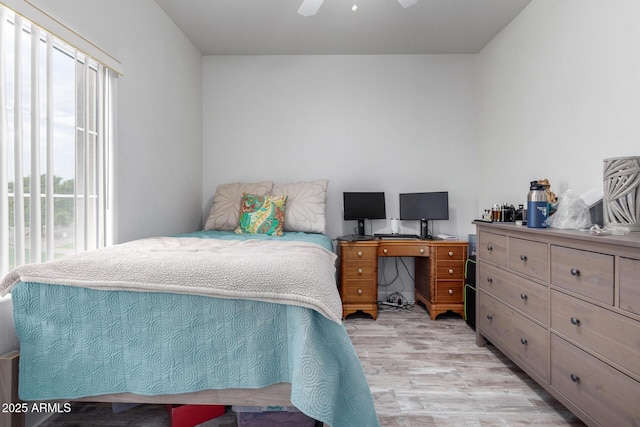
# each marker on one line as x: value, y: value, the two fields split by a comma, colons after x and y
x: 423, y: 284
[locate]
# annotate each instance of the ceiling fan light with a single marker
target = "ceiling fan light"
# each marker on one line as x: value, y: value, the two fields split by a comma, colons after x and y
x: 354, y: 7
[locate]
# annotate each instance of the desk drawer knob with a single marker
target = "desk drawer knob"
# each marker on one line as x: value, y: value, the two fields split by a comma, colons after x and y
x: 574, y: 378
x: 450, y: 253
x: 421, y: 250
x: 575, y: 272
x: 489, y: 317
x: 489, y: 248
x: 523, y: 341
x: 450, y: 291
x: 359, y: 271
x: 523, y: 258
x: 489, y: 280
x: 524, y: 297
x: 360, y: 253
x: 385, y: 250
x: 359, y: 291
x: 451, y: 271
x: 575, y: 321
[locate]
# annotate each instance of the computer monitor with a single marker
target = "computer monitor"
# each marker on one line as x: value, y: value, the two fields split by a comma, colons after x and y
x: 424, y: 207
x: 363, y: 205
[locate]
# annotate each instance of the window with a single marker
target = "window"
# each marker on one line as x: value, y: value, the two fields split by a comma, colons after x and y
x: 56, y: 108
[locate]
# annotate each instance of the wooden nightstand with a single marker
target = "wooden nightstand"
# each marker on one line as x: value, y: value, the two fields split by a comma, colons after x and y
x: 359, y: 277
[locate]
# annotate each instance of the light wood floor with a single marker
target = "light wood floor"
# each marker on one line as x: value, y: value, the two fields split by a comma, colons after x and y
x: 426, y: 372
x: 421, y: 373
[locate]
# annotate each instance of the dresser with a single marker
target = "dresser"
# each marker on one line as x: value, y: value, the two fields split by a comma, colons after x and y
x: 565, y: 307
x: 439, y: 273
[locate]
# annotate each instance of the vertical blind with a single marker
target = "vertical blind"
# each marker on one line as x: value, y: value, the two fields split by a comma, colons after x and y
x: 56, y: 137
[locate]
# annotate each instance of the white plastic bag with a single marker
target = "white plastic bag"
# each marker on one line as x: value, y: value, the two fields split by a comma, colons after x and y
x: 571, y: 213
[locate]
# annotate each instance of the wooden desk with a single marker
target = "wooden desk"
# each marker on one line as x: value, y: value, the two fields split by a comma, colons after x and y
x: 439, y: 273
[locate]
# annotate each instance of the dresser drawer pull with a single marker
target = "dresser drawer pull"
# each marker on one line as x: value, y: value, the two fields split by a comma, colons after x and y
x: 450, y: 253
x: 574, y: 378
x: 489, y: 280
x: 575, y: 321
x: 359, y: 271
x: 359, y: 253
x: 523, y: 341
x: 359, y: 291
x: 523, y: 258
x: 421, y: 250
x: 451, y: 271
x: 385, y: 250
x: 450, y: 291
x: 575, y: 272
x: 524, y: 297
x: 489, y: 248
x: 489, y: 316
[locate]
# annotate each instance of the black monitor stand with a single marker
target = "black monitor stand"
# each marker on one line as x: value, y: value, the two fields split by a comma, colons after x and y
x: 360, y: 230
x: 424, y: 230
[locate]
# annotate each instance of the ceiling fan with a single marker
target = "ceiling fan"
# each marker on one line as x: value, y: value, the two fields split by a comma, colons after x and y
x: 310, y: 7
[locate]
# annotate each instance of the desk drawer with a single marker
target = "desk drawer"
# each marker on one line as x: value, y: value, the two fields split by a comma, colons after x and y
x: 530, y: 258
x: 359, y: 270
x: 450, y: 253
x: 611, y: 335
x: 522, y: 337
x: 405, y: 249
x: 630, y: 285
x: 358, y: 291
x: 359, y: 252
x: 606, y: 394
x: 586, y: 273
x: 449, y: 292
x: 493, y: 248
x: 527, y: 296
x: 450, y: 270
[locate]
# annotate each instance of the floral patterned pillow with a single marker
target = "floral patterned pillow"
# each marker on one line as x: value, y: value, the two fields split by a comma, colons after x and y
x: 262, y: 214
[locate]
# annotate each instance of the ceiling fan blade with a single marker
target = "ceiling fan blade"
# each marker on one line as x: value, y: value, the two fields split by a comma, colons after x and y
x: 310, y: 7
x: 407, y: 3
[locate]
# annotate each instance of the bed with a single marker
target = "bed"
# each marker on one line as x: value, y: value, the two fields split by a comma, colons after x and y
x: 211, y: 317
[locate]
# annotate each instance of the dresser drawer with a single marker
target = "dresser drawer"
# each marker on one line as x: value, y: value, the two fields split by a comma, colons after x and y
x: 358, y: 270
x: 529, y: 257
x: 526, y: 340
x: 358, y: 252
x: 450, y: 253
x: 450, y: 270
x: 610, y: 397
x: 358, y: 291
x: 527, y: 296
x: 492, y: 247
x: 606, y: 333
x: 586, y: 273
x: 630, y: 285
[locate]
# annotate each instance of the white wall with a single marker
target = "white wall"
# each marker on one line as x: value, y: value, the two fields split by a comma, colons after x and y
x: 366, y: 123
x: 559, y: 92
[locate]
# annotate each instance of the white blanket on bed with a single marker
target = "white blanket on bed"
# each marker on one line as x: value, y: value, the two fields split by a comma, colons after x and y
x: 285, y: 272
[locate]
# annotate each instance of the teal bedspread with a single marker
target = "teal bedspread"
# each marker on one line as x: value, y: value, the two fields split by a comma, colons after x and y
x: 77, y: 342
x: 320, y: 239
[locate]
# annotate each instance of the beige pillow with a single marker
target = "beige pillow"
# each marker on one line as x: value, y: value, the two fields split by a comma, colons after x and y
x: 225, y: 212
x: 306, y: 203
